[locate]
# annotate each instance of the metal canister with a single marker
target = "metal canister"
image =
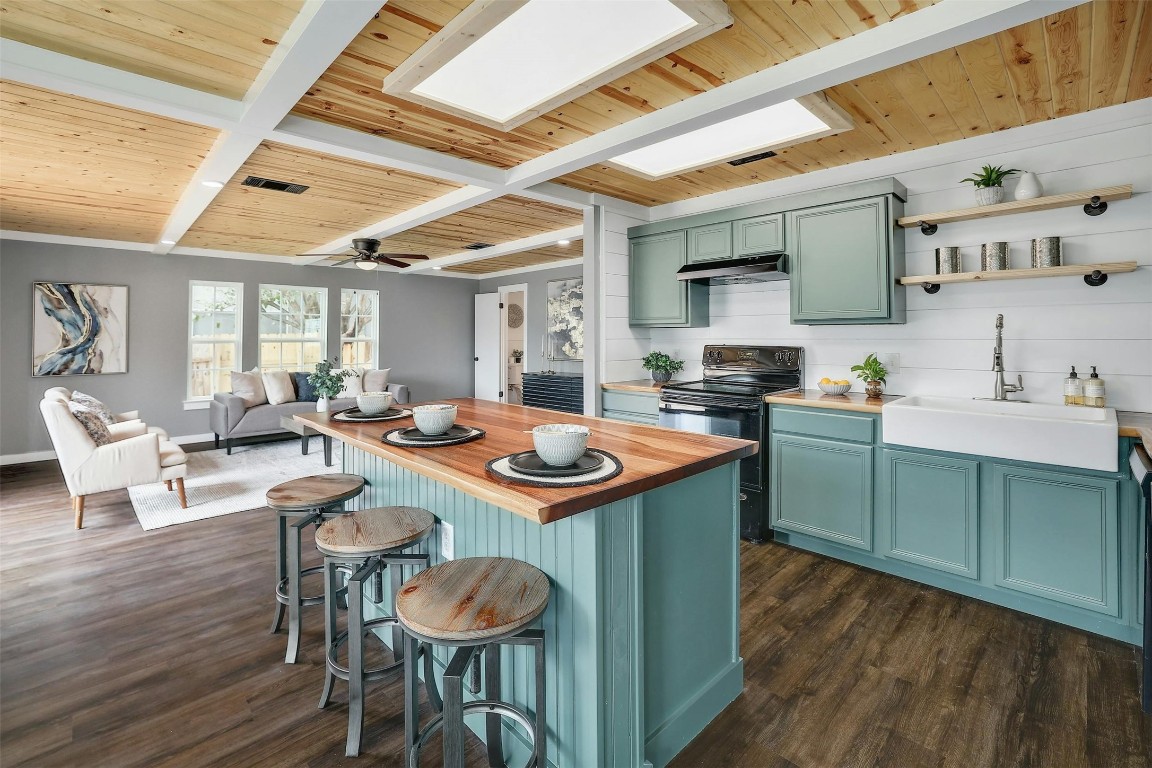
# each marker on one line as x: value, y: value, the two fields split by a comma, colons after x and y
x: 947, y: 261
x: 1046, y: 252
x: 993, y: 257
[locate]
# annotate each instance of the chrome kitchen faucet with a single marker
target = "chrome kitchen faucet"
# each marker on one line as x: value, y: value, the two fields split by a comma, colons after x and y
x: 1003, y: 389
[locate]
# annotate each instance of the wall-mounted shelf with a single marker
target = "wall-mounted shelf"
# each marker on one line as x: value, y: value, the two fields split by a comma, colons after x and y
x: 1095, y: 202
x: 1094, y: 274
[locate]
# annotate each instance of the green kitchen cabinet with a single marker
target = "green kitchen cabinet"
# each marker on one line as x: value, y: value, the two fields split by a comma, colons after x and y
x: 759, y: 234
x: 710, y: 243
x: 822, y: 488
x: 845, y: 261
x: 1057, y: 536
x: 656, y: 299
x: 637, y: 407
x: 932, y: 507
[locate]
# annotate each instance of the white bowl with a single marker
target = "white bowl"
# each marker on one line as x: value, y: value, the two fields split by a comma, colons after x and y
x: 374, y: 403
x: 834, y: 389
x: 560, y: 444
x: 434, y: 419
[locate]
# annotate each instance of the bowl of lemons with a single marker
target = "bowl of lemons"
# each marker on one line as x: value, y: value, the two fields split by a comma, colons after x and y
x: 834, y: 386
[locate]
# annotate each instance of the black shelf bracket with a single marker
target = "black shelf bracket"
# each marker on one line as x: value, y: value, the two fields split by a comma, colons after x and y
x: 931, y: 287
x: 930, y: 229
x: 1097, y: 277
x: 1095, y: 208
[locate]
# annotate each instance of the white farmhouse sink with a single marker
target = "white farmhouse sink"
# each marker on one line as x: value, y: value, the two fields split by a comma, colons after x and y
x: 1070, y: 436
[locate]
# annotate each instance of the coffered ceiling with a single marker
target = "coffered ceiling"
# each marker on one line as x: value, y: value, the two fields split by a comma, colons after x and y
x: 115, y: 113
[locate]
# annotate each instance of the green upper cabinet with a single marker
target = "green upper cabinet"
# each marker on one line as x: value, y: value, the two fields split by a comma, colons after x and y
x: 656, y: 297
x: 710, y: 243
x: 760, y: 234
x: 846, y: 258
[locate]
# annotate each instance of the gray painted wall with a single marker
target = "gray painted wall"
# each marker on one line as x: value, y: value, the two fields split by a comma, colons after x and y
x: 426, y: 330
x: 536, y: 317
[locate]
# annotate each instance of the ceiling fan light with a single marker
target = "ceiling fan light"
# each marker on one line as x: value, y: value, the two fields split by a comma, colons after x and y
x: 365, y: 264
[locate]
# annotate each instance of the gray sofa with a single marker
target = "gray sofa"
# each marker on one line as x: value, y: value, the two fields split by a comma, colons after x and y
x: 229, y: 418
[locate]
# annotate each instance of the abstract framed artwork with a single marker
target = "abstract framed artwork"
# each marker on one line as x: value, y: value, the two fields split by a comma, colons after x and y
x: 79, y: 329
x: 566, y: 319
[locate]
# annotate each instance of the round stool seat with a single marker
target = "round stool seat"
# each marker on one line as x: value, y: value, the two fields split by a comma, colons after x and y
x: 314, y: 492
x: 370, y: 531
x: 473, y: 598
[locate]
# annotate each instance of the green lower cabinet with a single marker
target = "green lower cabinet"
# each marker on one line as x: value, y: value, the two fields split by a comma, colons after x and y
x: 822, y: 488
x: 932, y: 505
x: 1057, y: 536
x: 637, y: 407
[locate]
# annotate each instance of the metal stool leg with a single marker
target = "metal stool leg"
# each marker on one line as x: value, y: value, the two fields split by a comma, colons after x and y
x: 493, y: 729
x: 397, y: 632
x: 433, y: 690
x: 331, y: 630
x: 294, y: 547
x: 281, y: 568
x: 411, y: 700
x: 453, y: 730
x: 356, y: 656
x: 540, y: 748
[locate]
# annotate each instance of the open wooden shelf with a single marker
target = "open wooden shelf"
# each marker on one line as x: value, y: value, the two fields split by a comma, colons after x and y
x: 1102, y: 195
x: 1094, y: 274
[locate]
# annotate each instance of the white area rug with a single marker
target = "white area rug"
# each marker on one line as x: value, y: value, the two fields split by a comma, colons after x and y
x: 220, y: 485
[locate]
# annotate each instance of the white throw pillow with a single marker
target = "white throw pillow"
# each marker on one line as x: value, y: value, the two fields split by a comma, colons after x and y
x: 278, y: 387
x: 249, y: 386
x: 376, y: 380
x: 352, y: 387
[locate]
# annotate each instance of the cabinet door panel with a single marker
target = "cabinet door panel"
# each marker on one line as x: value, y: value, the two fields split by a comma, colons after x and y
x: 655, y: 295
x: 710, y: 243
x: 822, y: 488
x: 1057, y: 536
x: 761, y: 234
x: 840, y: 269
x: 933, y: 506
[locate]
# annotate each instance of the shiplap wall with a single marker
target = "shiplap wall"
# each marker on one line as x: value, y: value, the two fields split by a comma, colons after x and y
x: 946, y: 346
x: 623, y: 346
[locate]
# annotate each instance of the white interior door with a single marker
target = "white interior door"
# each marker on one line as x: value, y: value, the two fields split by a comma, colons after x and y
x: 487, y: 346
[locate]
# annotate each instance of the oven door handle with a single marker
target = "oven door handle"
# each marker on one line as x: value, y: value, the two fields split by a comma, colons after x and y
x: 671, y: 405
x: 665, y: 406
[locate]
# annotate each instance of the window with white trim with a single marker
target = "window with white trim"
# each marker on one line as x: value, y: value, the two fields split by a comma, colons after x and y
x: 215, y: 330
x: 359, y: 328
x: 292, y: 323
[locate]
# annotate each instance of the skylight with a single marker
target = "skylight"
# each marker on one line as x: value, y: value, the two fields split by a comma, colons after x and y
x: 780, y: 125
x: 509, y: 61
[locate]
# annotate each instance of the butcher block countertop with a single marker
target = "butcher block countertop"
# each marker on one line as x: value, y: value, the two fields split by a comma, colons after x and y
x: 652, y: 457
x: 853, y: 401
x: 647, y: 386
x: 1135, y: 424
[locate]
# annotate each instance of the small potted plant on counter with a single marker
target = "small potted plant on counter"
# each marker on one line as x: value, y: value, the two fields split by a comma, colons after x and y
x: 874, y: 375
x: 662, y: 366
x: 989, y: 183
x: 327, y: 382
x: 517, y: 355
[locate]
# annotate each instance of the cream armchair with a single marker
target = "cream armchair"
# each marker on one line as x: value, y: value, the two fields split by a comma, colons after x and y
x: 136, y: 455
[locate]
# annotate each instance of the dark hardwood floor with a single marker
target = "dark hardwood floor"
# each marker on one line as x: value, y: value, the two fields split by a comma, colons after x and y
x: 120, y: 647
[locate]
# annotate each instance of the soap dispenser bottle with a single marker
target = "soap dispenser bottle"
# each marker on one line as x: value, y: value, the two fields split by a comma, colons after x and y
x: 1094, y: 390
x: 1073, y: 389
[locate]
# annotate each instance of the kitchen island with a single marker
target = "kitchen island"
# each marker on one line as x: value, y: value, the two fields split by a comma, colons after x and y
x: 642, y: 625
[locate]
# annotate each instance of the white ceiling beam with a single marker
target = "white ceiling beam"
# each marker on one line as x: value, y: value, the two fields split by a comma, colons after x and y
x: 521, y: 270
x: 503, y: 249
x: 316, y: 37
x: 927, y: 31
x: 23, y: 63
x: 88, y: 242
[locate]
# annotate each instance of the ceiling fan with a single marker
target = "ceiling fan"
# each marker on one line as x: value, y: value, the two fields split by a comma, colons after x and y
x: 367, y: 256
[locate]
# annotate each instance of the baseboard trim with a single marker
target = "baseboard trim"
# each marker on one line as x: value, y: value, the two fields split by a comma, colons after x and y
x: 666, y: 740
x: 34, y: 456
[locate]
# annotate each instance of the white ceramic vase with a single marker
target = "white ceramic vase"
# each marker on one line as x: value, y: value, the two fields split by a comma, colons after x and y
x: 1028, y: 187
x: 989, y: 195
x: 323, y: 404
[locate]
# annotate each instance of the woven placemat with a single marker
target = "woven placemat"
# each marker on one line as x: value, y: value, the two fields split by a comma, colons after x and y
x: 343, y: 419
x: 611, y: 467
x: 392, y: 438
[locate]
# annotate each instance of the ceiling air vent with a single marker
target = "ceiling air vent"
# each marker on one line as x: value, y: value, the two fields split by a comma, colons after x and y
x: 752, y: 158
x: 279, y: 186
x: 478, y: 246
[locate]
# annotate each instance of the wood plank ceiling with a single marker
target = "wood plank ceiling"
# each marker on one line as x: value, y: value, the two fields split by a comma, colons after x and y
x: 218, y: 46
x: 343, y: 196
x: 76, y: 167
x: 536, y: 257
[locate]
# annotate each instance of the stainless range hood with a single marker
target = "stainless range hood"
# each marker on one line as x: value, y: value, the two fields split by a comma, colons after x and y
x: 750, y: 269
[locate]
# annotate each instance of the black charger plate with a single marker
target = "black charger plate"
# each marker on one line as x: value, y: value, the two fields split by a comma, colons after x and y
x: 455, y: 432
x: 355, y: 414
x: 530, y: 463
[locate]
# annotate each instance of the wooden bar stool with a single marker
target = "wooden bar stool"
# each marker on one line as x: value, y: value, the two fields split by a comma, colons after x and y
x: 367, y: 543
x: 477, y: 605
x: 309, y: 500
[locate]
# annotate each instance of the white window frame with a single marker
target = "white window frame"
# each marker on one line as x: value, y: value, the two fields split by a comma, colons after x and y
x: 323, y: 291
x: 201, y: 401
x: 375, y: 339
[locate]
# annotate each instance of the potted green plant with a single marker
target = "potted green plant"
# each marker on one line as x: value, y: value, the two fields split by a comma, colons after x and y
x: 662, y: 366
x: 874, y: 375
x: 517, y: 355
x: 989, y: 183
x: 328, y: 380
